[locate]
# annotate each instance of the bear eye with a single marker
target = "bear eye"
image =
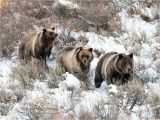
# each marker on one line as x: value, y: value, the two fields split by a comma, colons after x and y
x: 51, y: 33
x: 87, y: 56
x: 82, y: 56
x: 130, y: 68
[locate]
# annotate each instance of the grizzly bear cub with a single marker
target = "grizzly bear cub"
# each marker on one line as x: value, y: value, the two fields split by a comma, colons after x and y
x: 75, y: 61
x: 114, y: 68
x: 37, y: 46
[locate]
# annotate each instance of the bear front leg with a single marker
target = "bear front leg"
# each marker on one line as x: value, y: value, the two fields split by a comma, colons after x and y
x: 46, y: 66
x: 128, y: 78
x: 21, y: 54
x: 44, y: 62
x: 98, y: 80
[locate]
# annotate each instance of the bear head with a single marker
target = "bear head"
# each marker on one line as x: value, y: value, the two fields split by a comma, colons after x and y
x: 49, y: 35
x: 85, y: 56
x: 124, y: 63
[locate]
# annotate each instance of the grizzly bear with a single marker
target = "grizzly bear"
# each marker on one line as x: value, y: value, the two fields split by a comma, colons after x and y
x: 75, y: 61
x: 114, y: 68
x: 37, y: 46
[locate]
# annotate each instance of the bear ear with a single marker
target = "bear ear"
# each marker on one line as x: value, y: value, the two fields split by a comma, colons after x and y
x: 131, y: 55
x: 90, y: 49
x: 120, y: 56
x: 44, y: 30
x: 78, y: 49
x: 52, y: 28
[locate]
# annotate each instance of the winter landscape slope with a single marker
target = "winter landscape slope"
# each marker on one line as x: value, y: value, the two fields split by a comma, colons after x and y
x: 69, y: 100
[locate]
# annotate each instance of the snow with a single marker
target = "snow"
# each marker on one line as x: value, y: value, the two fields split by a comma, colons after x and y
x: 67, y: 3
x: 107, y: 44
x: 69, y: 96
x: 5, y: 67
x: 150, y: 12
x: 63, y: 99
x: 40, y: 86
x: 5, y: 71
x: 113, y: 89
x: 145, y: 111
x: 89, y: 99
x: 70, y: 82
x: 94, y: 63
x: 137, y: 25
x: 154, y: 87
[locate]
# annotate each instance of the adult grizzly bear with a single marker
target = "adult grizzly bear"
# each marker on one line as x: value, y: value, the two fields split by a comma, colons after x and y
x: 75, y: 61
x: 37, y: 46
x: 114, y: 68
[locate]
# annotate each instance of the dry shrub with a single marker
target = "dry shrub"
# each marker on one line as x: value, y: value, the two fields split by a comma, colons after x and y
x: 90, y: 19
x: 90, y: 16
x: 86, y: 115
x: 27, y: 73
x: 40, y: 109
x: 12, y: 31
x: 126, y: 99
x: 4, y: 109
x: 134, y: 42
x: 65, y: 39
x: 35, y: 113
x: 101, y: 111
x: 154, y: 100
x: 7, y: 96
x: 56, y: 77
x: 64, y: 12
x: 114, y: 26
x: 38, y: 113
x: 7, y: 99
x: 134, y: 94
x: 2, y: 96
x: 104, y: 111
x: 134, y: 8
x: 158, y: 66
x: 156, y: 3
x: 35, y: 8
x: 158, y: 31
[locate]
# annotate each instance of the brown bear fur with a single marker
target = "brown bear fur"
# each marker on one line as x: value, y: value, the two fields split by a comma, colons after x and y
x: 75, y: 61
x: 37, y: 45
x: 114, y: 68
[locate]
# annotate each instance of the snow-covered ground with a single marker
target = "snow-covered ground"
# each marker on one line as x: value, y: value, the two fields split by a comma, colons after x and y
x: 69, y: 98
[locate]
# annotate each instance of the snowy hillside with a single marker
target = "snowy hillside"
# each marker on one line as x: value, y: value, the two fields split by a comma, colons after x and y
x: 26, y: 94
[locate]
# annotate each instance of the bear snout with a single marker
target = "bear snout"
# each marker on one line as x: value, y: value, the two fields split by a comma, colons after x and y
x: 126, y: 71
x: 56, y: 35
x: 130, y: 69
